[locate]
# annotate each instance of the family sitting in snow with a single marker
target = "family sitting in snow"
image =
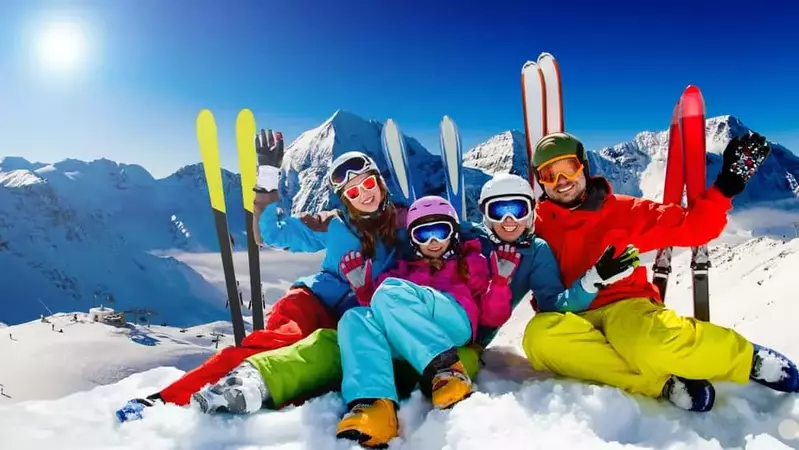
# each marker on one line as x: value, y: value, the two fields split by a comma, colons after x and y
x: 410, y: 295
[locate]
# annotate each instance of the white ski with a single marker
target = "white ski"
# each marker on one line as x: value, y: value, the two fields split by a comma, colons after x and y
x: 452, y: 159
x: 553, y: 96
x: 542, y: 100
x: 394, y: 152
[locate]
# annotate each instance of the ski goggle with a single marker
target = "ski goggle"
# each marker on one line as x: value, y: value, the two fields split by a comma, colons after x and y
x: 568, y: 166
x: 349, y: 168
x: 426, y: 232
x: 367, y: 184
x: 517, y: 208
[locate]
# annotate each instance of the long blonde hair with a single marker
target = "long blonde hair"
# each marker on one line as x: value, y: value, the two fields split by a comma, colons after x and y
x: 372, y: 228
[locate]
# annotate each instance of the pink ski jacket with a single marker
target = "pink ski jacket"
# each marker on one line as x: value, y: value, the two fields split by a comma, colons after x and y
x: 486, y: 301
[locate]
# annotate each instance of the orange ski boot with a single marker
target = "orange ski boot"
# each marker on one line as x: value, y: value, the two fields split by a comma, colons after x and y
x: 370, y: 423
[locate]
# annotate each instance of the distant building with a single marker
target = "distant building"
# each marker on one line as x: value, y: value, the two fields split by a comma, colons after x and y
x: 107, y: 315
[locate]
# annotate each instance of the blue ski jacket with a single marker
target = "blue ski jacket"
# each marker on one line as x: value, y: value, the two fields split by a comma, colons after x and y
x: 331, y: 231
x: 539, y: 272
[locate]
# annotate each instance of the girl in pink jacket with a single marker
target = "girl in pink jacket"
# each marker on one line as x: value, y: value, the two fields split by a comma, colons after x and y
x: 420, y: 311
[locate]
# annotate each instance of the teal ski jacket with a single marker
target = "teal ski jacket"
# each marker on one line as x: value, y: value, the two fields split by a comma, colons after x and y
x: 330, y: 231
x: 538, y: 272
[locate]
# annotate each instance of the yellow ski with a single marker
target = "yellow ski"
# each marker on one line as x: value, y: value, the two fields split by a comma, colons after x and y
x: 248, y: 165
x: 209, y: 149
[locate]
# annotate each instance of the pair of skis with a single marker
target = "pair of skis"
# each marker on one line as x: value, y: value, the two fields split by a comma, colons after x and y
x: 542, y: 102
x: 209, y: 149
x: 686, y: 172
x: 451, y: 158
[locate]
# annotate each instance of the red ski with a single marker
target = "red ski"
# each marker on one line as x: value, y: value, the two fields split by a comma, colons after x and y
x: 672, y: 193
x: 692, y: 124
x: 686, y: 171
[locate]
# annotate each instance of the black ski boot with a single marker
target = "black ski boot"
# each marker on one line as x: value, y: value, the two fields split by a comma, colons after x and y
x: 691, y: 395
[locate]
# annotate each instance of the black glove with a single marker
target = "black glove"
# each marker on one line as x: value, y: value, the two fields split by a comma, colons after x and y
x: 267, y: 156
x: 742, y: 157
x: 609, y: 269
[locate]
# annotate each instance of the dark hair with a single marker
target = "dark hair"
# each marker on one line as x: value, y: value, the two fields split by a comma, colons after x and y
x: 371, y: 228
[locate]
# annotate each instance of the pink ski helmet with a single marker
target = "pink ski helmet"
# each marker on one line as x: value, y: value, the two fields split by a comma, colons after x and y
x: 430, y: 205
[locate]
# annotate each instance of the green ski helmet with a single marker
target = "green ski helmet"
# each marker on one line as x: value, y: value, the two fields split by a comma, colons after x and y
x: 555, y: 145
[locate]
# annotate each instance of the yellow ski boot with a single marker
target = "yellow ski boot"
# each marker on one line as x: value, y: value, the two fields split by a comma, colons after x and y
x: 372, y: 424
x: 450, y: 386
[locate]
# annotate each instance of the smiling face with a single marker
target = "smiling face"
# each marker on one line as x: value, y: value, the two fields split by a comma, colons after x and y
x: 570, y: 181
x: 509, y: 230
x: 434, y: 249
x: 364, y: 193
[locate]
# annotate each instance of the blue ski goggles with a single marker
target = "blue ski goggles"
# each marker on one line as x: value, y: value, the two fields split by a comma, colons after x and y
x: 517, y: 208
x: 426, y: 232
x: 340, y: 174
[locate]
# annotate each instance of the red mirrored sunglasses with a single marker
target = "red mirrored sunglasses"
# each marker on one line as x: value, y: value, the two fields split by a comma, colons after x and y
x: 367, y: 184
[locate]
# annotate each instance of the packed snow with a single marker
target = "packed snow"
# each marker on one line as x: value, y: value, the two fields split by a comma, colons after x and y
x: 143, y: 244
x: 513, y: 408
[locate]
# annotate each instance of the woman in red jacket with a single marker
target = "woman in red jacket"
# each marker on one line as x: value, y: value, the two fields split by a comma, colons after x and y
x: 627, y: 338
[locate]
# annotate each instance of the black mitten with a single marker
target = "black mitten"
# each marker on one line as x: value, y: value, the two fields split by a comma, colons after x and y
x: 741, y: 159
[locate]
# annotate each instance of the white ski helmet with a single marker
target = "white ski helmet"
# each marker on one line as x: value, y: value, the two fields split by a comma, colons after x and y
x: 347, y: 166
x: 507, y: 185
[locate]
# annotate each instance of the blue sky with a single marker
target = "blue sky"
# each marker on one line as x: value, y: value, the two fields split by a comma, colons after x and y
x: 151, y: 65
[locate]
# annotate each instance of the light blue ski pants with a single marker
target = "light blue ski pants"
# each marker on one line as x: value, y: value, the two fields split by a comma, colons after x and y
x: 405, y: 321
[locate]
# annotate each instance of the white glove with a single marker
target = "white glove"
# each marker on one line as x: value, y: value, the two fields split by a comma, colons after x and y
x: 609, y: 269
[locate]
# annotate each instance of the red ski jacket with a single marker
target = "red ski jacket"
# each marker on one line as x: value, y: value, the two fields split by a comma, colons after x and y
x: 579, y: 237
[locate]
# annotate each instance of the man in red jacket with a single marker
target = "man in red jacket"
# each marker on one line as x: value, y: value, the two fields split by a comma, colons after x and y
x: 627, y: 338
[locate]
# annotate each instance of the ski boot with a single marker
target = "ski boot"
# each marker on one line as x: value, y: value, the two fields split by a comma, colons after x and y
x: 445, y: 380
x: 241, y: 391
x: 134, y: 409
x: 371, y: 423
x: 772, y: 369
x: 691, y: 395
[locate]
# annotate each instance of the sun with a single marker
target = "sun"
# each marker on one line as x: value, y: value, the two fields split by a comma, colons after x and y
x: 61, y: 46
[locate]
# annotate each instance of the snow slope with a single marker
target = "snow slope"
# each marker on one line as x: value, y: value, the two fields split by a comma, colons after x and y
x: 88, y: 354
x: 514, y: 407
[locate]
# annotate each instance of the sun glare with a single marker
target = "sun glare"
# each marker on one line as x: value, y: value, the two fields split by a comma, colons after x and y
x: 61, y: 46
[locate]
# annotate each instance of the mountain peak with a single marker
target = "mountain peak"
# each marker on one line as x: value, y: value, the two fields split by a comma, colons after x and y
x: 345, y: 119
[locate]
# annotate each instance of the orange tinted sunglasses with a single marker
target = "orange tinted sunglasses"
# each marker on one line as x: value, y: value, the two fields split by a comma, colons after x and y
x: 367, y: 184
x: 568, y: 166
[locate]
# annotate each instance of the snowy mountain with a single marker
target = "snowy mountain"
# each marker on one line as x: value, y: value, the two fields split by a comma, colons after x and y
x: 76, y: 234
x: 638, y: 167
x: 73, y: 233
x: 514, y: 407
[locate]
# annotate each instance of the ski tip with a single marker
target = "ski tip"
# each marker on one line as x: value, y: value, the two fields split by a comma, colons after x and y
x: 545, y: 55
x: 205, y: 113
x: 692, y: 89
x: 529, y: 64
x: 691, y: 103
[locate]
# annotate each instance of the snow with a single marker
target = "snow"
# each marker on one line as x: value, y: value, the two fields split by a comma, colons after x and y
x: 514, y: 407
x: 150, y: 244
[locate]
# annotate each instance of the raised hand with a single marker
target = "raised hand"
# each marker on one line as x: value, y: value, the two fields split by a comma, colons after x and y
x: 268, y: 154
x: 742, y: 157
x: 610, y: 269
x: 269, y: 161
x: 504, y: 262
x: 357, y: 270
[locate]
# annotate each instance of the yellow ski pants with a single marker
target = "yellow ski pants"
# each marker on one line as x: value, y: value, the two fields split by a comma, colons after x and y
x: 636, y: 345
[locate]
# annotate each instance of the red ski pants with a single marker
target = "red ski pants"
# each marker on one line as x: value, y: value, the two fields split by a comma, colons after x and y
x: 295, y: 316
